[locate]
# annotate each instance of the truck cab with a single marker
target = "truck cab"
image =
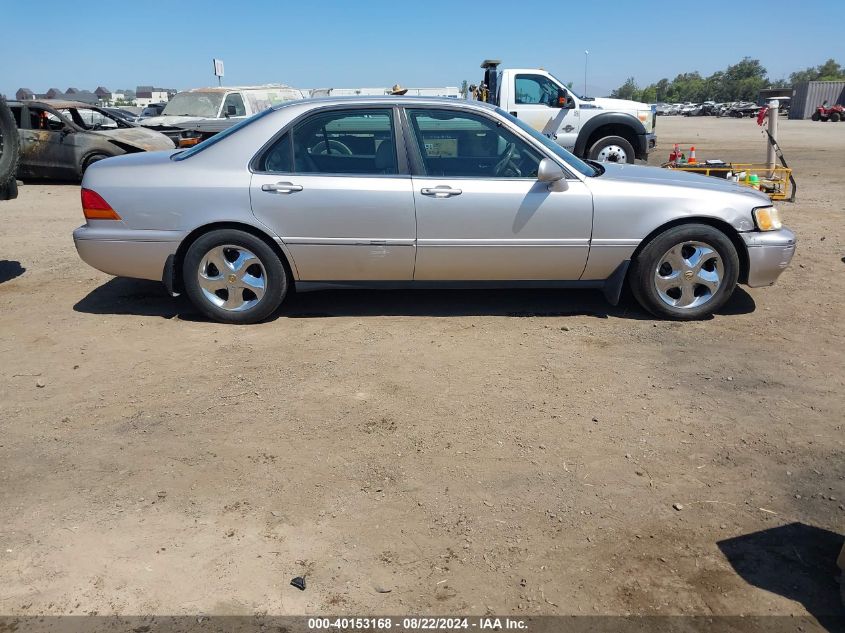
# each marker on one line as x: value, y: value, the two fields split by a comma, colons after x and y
x: 611, y: 130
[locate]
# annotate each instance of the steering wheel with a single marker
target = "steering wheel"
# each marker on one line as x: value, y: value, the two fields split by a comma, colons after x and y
x: 507, y: 156
x: 335, y: 146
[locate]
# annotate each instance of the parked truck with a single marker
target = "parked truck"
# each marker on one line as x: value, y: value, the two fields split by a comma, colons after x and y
x: 610, y: 130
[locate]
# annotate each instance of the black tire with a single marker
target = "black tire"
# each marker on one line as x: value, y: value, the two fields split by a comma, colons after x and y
x: 274, y: 274
x: 816, y: 116
x: 835, y: 117
x: 607, y: 141
x: 90, y: 160
x: 641, y: 276
x: 9, y: 145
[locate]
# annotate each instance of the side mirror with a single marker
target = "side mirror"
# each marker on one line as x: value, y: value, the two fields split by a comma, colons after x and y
x: 552, y: 173
x: 66, y: 131
x: 564, y: 100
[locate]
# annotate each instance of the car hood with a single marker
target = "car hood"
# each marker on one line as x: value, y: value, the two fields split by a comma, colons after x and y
x: 169, y: 120
x: 676, y: 178
x: 147, y: 140
x: 618, y: 104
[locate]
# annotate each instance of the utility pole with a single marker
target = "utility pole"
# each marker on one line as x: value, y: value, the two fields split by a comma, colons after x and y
x: 586, y: 53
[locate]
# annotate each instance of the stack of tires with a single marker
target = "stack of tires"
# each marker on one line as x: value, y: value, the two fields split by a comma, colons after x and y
x: 9, y: 152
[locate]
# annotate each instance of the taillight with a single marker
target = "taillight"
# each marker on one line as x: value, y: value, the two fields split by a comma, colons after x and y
x: 95, y: 208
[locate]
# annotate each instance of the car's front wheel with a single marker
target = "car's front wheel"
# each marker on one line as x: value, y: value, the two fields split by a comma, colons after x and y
x: 685, y: 273
x: 232, y: 276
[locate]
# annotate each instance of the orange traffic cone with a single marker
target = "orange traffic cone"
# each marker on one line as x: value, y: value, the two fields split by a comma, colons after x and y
x: 692, y: 160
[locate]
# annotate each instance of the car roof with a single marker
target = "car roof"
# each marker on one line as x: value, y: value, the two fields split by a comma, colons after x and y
x: 402, y: 100
x: 54, y: 103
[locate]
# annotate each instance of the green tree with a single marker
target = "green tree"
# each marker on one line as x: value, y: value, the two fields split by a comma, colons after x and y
x: 828, y: 71
x: 628, y: 90
x: 661, y: 89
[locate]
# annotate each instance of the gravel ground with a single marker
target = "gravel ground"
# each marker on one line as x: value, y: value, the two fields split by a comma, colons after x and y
x: 525, y: 452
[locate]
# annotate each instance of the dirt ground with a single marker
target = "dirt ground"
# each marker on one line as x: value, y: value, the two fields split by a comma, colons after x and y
x: 426, y: 452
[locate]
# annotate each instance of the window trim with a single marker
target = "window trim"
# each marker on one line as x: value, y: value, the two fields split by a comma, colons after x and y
x: 398, y: 140
x: 418, y: 168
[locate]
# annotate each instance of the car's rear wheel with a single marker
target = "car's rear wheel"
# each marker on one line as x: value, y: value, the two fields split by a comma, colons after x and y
x: 685, y: 273
x: 232, y: 276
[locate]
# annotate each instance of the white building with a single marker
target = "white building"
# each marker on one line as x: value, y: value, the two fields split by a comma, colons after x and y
x: 147, y: 95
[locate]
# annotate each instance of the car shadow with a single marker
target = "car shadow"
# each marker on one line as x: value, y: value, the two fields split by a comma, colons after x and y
x: 796, y: 561
x: 9, y: 269
x: 148, y: 298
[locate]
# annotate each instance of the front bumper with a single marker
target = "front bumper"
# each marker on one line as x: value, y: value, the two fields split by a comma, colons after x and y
x: 769, y: 253
x: 646, y: 143
x: 126, y: 253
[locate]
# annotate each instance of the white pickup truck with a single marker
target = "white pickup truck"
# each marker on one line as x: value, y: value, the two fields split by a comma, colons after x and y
x: 611, y: 130
x: 194, y: 115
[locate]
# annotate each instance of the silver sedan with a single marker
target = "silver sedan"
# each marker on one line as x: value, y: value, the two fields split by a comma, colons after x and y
x: 401, y: 191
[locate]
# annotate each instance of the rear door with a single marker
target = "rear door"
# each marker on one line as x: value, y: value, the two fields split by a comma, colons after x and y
x: 336, y: 189
x: 481, y: 213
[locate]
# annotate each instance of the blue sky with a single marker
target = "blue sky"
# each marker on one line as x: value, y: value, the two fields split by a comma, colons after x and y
x: 170, y: 43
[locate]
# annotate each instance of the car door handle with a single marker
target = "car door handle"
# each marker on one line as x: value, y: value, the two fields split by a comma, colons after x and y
x: 281, y: 187
x: 440, y: 192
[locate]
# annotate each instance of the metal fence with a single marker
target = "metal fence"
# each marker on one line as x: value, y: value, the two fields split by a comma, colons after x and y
x: 811, y: 94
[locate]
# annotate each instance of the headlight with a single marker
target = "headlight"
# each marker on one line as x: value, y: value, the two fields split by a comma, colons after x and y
x: 645, y: 118
x: 767, y: 219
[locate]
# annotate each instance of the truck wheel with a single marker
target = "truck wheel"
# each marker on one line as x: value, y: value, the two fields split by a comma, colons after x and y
x: 612, y: 149
x: 9, y: 145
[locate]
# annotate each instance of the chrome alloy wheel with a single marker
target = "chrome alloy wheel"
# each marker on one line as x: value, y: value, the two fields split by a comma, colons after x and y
x: 232, y: 278
x: 612, y: 154
x: 688, y: 275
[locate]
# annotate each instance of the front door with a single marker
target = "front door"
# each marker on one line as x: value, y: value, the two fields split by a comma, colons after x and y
x: 482, y: 214
x: 536, y: 102
x: 48, y: 149
x: 333, y: 190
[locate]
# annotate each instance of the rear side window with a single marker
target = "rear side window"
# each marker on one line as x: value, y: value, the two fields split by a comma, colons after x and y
x: 279, y: 158
x: 360, y: 142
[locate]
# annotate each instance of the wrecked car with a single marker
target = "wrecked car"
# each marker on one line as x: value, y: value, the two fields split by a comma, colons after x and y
x: 194, y: 115
x: 61, y: 139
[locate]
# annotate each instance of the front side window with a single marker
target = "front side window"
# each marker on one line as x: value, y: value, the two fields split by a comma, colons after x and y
x: 40, y: 119
x: 234, y: 105
x: 345, y: 142
x: 536, y: 90
x: 461, y: 144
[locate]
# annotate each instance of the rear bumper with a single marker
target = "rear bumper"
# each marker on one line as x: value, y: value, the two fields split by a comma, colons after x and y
x: 138, y: 254
x: 769, y: 253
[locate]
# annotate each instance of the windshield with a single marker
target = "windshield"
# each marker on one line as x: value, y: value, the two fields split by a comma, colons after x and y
x: 570, y: 158
x: 202, y: 104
